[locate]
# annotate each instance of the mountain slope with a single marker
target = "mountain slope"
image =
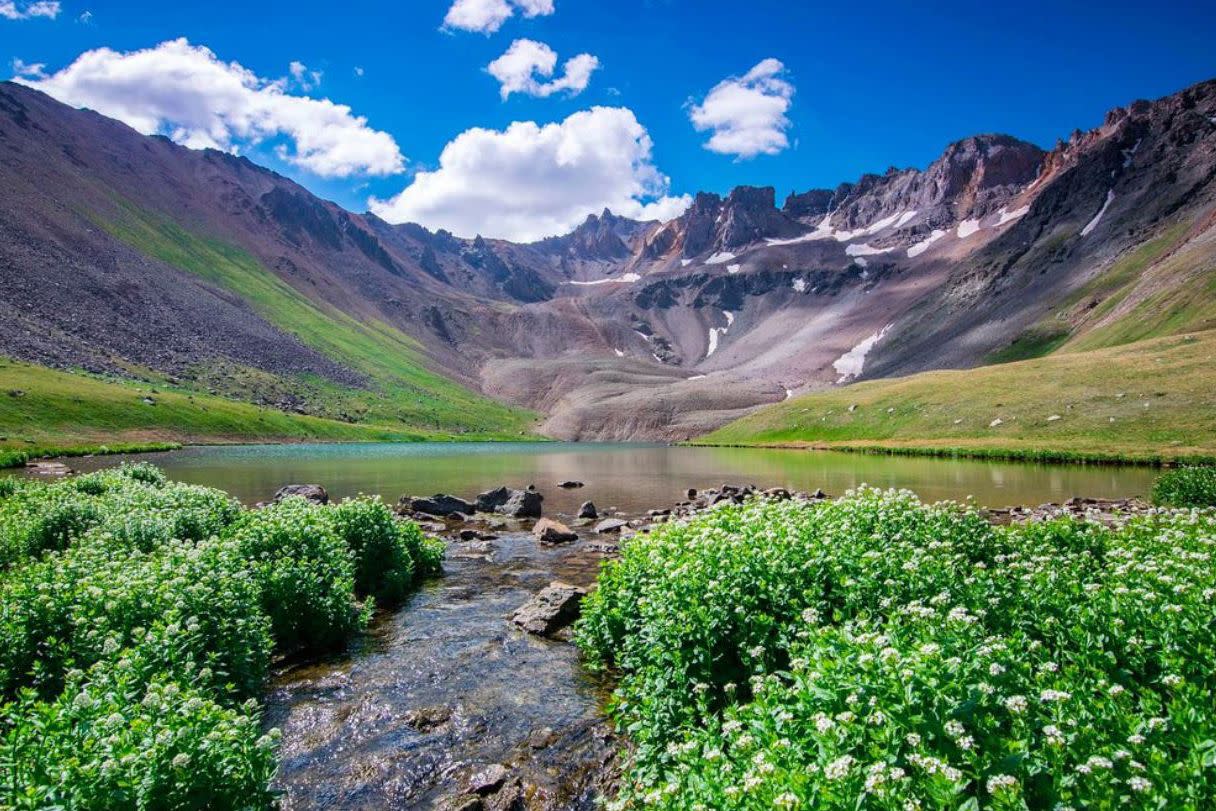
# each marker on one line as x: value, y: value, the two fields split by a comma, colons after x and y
x: 1151, y: 399
x: 131, y: 256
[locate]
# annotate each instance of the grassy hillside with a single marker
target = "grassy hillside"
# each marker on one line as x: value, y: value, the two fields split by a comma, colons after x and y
x: 1150, y: 399
x: 43, y: 411
x: 402, y: 393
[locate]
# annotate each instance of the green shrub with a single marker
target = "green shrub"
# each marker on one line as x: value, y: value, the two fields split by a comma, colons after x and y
x: 891, y: 655
x: 76, y: 609
x: 1186, y: 487
x: 305, y: 573
x: 9, y: 485
x: 128, y: 506
x: 113, y: 741
x: 384, y: 565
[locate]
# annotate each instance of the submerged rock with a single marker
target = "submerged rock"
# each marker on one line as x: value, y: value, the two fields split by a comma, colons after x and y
x: 310, y: 492
x: 556, y: 606
x: 549, y: 531
x: 570, y: 485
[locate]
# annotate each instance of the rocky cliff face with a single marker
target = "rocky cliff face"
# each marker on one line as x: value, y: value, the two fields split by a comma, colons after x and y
x: 621, y: 329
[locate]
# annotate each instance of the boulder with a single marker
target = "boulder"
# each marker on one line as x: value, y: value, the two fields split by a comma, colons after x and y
x: 552, y: 609
x: 310, y: 492
x: 488, y: 780
x: 513, y: 503
x: 570, y: 485
x: 439, y: 504
x: 553, y: 532
x: 610, y: 525
x: 588, y: 511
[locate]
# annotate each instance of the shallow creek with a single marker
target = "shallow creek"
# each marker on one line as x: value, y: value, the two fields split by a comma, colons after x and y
x: 445, y: 687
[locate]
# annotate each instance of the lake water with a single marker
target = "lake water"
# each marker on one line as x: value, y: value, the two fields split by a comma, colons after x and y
x: 626, y: 476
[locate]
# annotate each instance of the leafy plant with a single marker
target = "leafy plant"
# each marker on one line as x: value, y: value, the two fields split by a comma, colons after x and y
x: 1186, y: 487
x: 137, y: 621
x: 878, y: 653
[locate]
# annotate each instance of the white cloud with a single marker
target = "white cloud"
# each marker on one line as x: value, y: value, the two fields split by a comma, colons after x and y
x: 524, y: 65
x: 186, y: 92
x: 487, y: 16
x: 11, y: 10
x: 31, y: 70
x: 747, y: 114
x: 305, y: 78
x: 531, y: 181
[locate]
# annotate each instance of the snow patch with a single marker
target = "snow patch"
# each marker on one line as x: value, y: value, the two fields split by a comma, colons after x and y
x: 1010, y: 216
x: 1088, y: 229
x: 851, y: 363
x: 922, y: 246
x: 619, y: 353
x: 968, y: 227
x: 685, y: 263
x: 822, y: 231
x: 645, y: 337
x: 872, y: 228
x: 627, y: 278
x: 799, y: 285
x: 733, y: 269
x: 1130, y: 154
x: 865, y: 249
x: 717, y: 332
x: 720, y: 258
x: 696, y: 377
x: 905, y: 219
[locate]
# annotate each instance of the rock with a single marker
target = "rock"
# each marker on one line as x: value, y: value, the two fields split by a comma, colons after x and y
x: 778, y: 493
x: 542, y: 738
x: 549, y: 531
x: 310, y: 492
x: 1054, y: 418
x: 428, y: 718
x: 658, y: 513
x: 691, y: 493
x: 819, y: 495
x: 513, y: 503
x: 552, y: 609
x: 439, y: 504
x: 570, y: 485
x: 610, y: 525
x: 16, y: 393
x: 465, y: 802
x: 488, y: 780
x: 997, y: 422
x: 588, y: 511
x: 457, y: 518
x: 48, y: 468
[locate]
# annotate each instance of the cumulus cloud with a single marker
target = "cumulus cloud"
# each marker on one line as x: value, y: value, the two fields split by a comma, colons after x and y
x: 185, y: 92
x: 531, y: 181
x: 527, y: 66
x: 12, y: 10
x: 747, y: 114
x: 31, y: 70
x: 487, y: 16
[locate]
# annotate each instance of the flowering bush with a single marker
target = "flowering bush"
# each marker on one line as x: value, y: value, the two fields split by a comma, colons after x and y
x: 912, y: 657
x: 137, y: 621
x: 1186, y: 487
x: 389, y: 554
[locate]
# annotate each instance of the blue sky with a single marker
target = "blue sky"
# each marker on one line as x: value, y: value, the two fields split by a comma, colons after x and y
x: 869, y: 84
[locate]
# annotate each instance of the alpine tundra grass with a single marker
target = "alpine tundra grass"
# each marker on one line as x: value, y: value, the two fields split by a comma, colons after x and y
x: 879, y: 653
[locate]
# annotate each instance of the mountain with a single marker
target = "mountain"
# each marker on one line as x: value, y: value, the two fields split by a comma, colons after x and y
x: 134, y: 257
